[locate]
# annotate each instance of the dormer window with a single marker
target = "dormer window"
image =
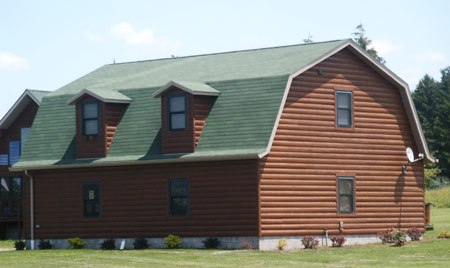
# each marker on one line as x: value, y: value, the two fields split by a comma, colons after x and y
x: 90, y: 119
x: 177, y: 112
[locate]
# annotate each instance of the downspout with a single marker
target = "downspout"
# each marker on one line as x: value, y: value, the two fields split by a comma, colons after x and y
x: 31, y: 210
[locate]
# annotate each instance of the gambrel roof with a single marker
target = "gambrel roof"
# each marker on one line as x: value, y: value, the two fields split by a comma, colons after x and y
x: 251, y: 86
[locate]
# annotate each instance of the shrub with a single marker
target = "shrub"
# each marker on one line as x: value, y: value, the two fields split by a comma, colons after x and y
x: 247, y: 244
x: 45, y: 244
x: 310, y: 242
x: 399, y: 238
x: 386, y: 236
x: 414, y: 233
x: 172, y: 241
x: 76, y: 243
x: 211, y: 242
x: 282, y: 243
x: 108, y: 244
x: 444, y: 234
x: 338, y: 241
x: 19, y: 245
x: 140, y: 243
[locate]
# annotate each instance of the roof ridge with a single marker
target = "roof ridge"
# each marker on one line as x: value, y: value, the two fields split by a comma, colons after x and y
x: 227, y: 52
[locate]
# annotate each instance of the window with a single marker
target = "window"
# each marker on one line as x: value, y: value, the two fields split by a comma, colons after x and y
x: 177, y: 112
x: 90, y: 118
x: 179, y: 200
x: 4, y: 159
x: 91, y: 199
x: 24, y: 136
x: 13, y: 188
x: 344, y: 110
x: 14, y: 152
x: 346, y: 195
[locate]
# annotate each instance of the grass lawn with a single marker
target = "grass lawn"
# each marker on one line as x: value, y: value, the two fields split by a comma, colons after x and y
x: 439, y: 197
x: 430, y: 253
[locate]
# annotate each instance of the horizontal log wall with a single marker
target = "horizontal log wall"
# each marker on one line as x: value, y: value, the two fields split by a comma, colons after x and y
x: 223, y: 201
x: 299, y: 176
x: 113, y: 114
x: 202, y: 106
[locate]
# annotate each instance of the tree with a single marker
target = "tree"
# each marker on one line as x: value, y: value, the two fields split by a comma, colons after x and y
x: 308, y: 40
x: 432, y: 101
x: 364, y: 42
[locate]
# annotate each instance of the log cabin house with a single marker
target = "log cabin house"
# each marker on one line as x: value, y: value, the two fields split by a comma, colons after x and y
x: 248, y: 145
x: 14, y: 129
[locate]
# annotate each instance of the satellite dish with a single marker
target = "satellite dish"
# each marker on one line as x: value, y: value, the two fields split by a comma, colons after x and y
x: 410, y: 154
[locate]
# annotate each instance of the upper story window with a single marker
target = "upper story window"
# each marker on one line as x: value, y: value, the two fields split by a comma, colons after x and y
x: 90, y: 118
x: 4, y: 160
x: 177, y: 112
x: 14, y: 152
x: 24, y: 132
x: 344, y: 109
x: 346, y: 195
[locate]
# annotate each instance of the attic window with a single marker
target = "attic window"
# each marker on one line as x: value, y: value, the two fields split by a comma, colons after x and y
x: 177, y: 112
x: 90, y: 118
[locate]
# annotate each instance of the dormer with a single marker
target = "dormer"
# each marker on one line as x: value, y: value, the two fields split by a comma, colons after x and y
x: 184, y: 109
x: 98, y: 113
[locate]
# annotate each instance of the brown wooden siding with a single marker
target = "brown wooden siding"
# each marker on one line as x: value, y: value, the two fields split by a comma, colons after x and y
x: 202, y: 106
x: 299, y: 176
x: 223, y: 201
x: 174, y: 142
x: 113, y: 114
x: 90, y: 146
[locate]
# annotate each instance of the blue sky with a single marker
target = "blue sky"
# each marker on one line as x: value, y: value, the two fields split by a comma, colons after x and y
x: 47, y: 44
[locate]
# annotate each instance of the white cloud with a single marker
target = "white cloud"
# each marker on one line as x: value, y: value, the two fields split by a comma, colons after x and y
x: 433, y: 56
x: 384, y: 47
x: 124, y: 31
x: 11, y: 62
x: 94, y: 38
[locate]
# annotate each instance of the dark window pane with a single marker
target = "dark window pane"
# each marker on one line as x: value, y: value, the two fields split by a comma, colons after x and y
x: 90, y: 110
x: 344, y: 117
x: 346, y: 204
x: 15, y: 187
x: 344, y: 100
x: 178, y: 121
x: 91, y: 127
x: 14, y: 152
x: 91, y: 199
x: 177, y: 104
x: 345, y: 186
x: 179, y: 206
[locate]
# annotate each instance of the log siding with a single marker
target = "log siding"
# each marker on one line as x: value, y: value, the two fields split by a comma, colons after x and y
x: 299, y: 176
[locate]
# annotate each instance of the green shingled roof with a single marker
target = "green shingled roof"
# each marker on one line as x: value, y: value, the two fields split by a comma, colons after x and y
x: 251, y: 85
x: 38, y: 94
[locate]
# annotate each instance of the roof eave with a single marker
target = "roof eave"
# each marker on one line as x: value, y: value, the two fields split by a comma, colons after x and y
x: 75, y: 98
x: 139, y: 162
x: 17, y: 108
x: 170, y: 84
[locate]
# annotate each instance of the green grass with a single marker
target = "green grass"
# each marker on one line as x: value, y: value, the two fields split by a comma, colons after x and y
x: 439, y: 197
x: 429, y: 253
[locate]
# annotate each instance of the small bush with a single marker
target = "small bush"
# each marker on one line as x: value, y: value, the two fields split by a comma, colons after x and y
x: 76, y: 243
x: 338, y: 241
x: 414, y: 233
x: 386, y: 236
x: 246, y: 244
x: 172, y: 241
x: 399, y: 238
x: 282, y: 243
x: 19, y: 245
x: 310, y: 242
x: 45, y: 244
x: 108, y: 244
x: 443, y: 234
x: 140, y: 243
x: 211, y: 242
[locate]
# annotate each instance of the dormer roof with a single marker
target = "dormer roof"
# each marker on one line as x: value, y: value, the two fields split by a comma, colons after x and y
x: 107, y: 96
x: 194, y: 88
